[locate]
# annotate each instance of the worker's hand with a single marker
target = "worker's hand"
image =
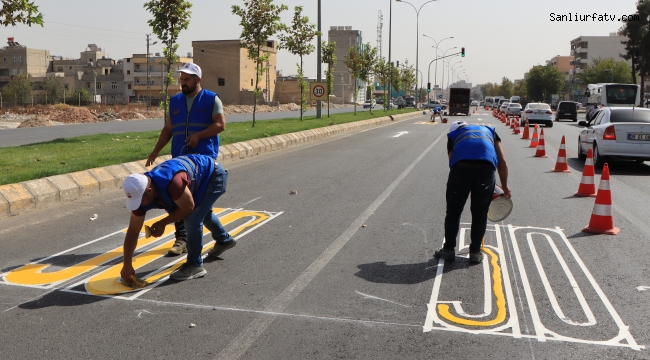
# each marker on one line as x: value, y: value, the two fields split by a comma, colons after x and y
x: 127, y: 272
x: 192, y: 140
x: 157, y: 229
x: 507, y: 193
x: 152, y: 157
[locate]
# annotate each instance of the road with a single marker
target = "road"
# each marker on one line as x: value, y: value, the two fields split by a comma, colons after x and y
x: 25, y: 136
x: 344, y: 268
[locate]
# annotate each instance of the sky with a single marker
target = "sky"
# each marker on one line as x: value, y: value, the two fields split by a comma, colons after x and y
x: 501, y: 39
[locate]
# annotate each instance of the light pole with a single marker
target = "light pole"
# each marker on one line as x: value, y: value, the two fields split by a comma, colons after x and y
x: 390, y: 43
x: 450, y: 67
x: 435, y: 76
x: 417, y: 35
x: 436, y: 60
x: 319, y: 103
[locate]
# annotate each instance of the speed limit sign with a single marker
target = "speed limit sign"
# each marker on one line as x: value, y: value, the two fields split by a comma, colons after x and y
x: 318, y: 90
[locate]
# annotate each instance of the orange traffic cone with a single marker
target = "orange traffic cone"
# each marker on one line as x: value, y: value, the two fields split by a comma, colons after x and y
x: 587, y: 184
x: 512, y: 122
x: 561, y: 164
x: 541, y: 151
x: 526, y: 134
x: 602, y: 221
x: 534, y: 142
x: 517, y: 130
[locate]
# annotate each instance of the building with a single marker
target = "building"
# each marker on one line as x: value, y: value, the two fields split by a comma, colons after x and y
x: 586, y: 48
x: 344, y: 83
x: 136, y: 75
x: 229, y: 72
x: 16, y: 59
x: 564, y: 65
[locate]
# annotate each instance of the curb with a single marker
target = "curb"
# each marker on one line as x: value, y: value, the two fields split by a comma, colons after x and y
x: 24, y: 197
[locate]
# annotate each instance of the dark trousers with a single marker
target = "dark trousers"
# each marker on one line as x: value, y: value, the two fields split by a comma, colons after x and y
x: 465, y: 177
x: 181, y: 233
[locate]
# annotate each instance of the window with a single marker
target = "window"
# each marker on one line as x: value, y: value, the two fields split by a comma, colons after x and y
x: 222, y: 82
x: 269, y: 44
x: 4, y: 59
x: 137, y: 67
x: 105, y: 71
x: 114, y: 85
x: 21, y: 71
x: 14, y: 72
x: 99, y: 85
x: 20, y: 59
x: 128, y: 72
x: 13, y: 58
x: 128, y: 60
x: 251, y: 82
x: 87, y: 84
x: 66, y: 87
x: 128, y: 86
x: 4, y: 72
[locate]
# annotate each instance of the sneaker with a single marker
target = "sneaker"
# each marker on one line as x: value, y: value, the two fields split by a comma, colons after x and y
x: 447, y: 254
x: 187, y: 272
x: 220, y: 248
x: 475, y: 257
x: 180, y: 247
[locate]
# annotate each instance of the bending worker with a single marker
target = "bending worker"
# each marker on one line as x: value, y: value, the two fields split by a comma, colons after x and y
x: 193, y: 125
x: 187, y: 188
x: 475, y: 153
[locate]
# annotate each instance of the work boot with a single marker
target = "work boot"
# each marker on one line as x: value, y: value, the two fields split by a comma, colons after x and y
x: 220, y: 248
x: 446, y: 254
x: 187, y: 272
x: 180, y: 247
x: 475, y: 257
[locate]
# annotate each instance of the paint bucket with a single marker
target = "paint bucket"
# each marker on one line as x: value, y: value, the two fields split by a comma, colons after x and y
x: 500, y: 207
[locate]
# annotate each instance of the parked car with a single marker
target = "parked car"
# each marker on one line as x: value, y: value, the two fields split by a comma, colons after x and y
x: 566, y: 110
x: 503, y: 107
x: 537, y: 113
x: 616, y: 133
x: 379, y: 101
x: 513, y: 109
x: 369, y: 104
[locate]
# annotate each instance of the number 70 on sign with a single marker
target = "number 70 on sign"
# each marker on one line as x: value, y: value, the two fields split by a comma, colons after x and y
x: 318, y: 91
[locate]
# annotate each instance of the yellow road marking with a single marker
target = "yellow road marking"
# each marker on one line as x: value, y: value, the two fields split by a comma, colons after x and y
x: 427, y: 123
x: 443, y: 309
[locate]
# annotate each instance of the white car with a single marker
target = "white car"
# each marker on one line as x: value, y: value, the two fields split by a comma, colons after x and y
x: 616, y: 133
x: 513, y: 109
x: 503, y: 107
x: 537, y: 113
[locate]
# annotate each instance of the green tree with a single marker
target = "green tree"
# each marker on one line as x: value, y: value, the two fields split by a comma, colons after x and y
x: 53, y: 88
x: 407, y: 77
x: 169, y: 18
x: 20, y: 89
x: 604, y: 71
x: 382, y: 71
x: 260, y: 20
x: 354, y: 62
x: 369, y: 64
x: 506, y: 87
x: 633, y: 31
x: 298, y: 41
x: 328, y: 57
x: 15, y: 12
x: 543, y: 81
x: 80, y: 96
x: 396, y: 77
x: 520, y: 89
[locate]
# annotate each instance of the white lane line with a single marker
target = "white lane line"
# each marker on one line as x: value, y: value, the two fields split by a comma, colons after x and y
x: 378, y: 298
x: 246, y: 337
x: 643, y: 288
x: 400, y: 134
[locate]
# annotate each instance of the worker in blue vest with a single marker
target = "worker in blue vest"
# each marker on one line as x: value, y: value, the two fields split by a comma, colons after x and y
x: 186, y: 187
x: 475, y: 153
x: 193, y: 125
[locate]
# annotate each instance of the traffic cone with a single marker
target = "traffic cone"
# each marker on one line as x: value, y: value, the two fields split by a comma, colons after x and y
x: 512, y: 122
x: 517, y: 130
x: 561, y: 164
x: 587, y: 184
x: 602, y: 221
x: 534, y: 142
x: 541, y: 151
x: 526, y: 134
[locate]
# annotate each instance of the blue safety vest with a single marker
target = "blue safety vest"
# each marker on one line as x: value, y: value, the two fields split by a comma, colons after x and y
x: 473, y: 142
x: 185, y: 124
x: 198, y: 167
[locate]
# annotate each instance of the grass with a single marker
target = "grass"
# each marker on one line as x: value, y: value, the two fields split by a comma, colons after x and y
x: 62, y: 156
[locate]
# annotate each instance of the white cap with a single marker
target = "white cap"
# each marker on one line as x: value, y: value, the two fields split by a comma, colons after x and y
x: 134, y: 186
x: 192, y: 69
x: 456, y: 124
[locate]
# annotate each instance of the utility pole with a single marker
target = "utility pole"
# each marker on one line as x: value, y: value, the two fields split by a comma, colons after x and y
x: 319, y: 103
x: 390, y: 64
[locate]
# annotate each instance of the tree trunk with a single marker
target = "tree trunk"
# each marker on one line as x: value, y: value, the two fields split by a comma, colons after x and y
x: 329, y: 71
x: 258, y: 64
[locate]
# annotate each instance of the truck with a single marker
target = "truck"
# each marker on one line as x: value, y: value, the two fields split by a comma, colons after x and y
x: 459, y: 101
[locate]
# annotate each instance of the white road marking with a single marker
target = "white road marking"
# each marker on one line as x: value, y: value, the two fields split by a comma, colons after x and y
x: 378, y: 298
x: 643, y: 288
x: 400, y: 134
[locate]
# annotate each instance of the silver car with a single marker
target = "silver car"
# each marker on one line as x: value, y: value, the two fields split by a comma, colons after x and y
x: 503, y: 107
x: 616, y: 133
x: 513, y: 109
x: 537, y: 113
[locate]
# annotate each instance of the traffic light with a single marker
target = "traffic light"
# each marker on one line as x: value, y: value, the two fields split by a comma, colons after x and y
x: 428, y: 87
x: 462, y: 52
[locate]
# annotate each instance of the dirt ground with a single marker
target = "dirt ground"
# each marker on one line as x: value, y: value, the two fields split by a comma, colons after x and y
x: 50, y: 115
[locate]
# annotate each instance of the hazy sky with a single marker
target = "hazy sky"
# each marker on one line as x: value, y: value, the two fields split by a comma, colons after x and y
x: 501, y: 38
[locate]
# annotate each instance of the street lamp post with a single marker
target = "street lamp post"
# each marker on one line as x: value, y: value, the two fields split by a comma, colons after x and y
x: 390, y: 43
x: 449, y: 69
x: 417, y: 35
x: 319, y: 103
x: 435, y: 76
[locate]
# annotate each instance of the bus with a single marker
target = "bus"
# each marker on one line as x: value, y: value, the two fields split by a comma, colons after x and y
x: 614, y: 95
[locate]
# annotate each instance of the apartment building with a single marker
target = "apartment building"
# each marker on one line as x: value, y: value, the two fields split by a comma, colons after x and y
x: 16, y: 59
x: 586, y: 48
x: 140, y: 69
x: 344, y: 83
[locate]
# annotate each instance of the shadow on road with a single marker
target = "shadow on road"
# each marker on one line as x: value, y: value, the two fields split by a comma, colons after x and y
x: 616, y: 168
x: 381, y: 273
x: 60, y: 298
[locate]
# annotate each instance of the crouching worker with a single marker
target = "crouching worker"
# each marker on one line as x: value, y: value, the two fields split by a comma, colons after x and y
x: 187, y: 188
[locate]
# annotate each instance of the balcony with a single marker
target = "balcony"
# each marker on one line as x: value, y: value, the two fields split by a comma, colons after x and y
x: 581, y: 50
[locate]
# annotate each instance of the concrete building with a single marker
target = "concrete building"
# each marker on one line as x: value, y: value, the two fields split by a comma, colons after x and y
x: 229, y: 72
x: 344, y: 83
x: 16, y: 59
x: 564, y: 65
x: 135, y: 77
x: 586, y: 48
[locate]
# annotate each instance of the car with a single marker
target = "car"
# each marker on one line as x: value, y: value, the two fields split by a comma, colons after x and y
x: 435, y: 103
x: 616, y: 133
x: 481, y: 103
x: 400, y: 102
x: 369, y: 104
x: 513, y: 109
x: 474, y: 103
x: 515, y: 99
x: 410, y: 101
x: 379, y: 101
x: 566, y: 110
x: 537, y: 113
x: 503, y: 107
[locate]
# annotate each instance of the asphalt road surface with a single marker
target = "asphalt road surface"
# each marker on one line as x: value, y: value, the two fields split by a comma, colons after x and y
x: 344, y: 268
x: 25, y: 136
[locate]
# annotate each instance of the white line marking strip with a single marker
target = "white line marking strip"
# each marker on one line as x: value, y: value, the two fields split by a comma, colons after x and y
x: 246, y: 337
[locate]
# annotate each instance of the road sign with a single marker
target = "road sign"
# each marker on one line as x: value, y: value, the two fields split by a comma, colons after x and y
x: 440, y: 96
x: 318, y: 90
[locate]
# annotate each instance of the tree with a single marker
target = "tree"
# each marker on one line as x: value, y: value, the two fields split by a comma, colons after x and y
x: 382, y: 70
x: 543, y: 81
x: 407, y: 77
x: 80, y: 96
x: 298, y: 41
x: 369, y: 63
x: 605, y: 71
x: 169, y: 18
x: 506, y: 87
x: 396, y: 77
x: 20, y: 88
x: 260, y: 20
x: 520, y: 89
x: 15, y: 12
x: 53, y: 88
x: 633, y: 31
x: 328, y: 57
x: 354, y: 62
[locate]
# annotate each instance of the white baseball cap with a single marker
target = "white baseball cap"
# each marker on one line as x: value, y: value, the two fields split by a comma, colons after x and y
x: 192, y: 69
x: 134, y: 186
x: 456, y: 124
